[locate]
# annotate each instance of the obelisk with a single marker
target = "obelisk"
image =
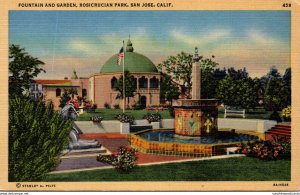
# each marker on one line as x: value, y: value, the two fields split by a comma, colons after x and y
x: 196, y: 76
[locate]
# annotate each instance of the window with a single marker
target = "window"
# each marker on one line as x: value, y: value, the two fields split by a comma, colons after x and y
x: 84, y: 93
x: 143, y: 82
x: 154, y: 82
x: 58, y: 92
x: 114, y: 83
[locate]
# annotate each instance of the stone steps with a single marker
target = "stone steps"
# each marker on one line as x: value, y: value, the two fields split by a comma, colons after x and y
x: 279, y: 131
x: 85, y: 153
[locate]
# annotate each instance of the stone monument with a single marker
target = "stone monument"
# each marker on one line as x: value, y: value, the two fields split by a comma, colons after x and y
x: 196, y: 116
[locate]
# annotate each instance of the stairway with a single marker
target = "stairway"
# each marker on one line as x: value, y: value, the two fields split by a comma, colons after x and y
x: 279, y: 132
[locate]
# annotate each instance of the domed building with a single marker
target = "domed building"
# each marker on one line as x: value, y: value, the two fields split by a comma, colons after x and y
x: 102, y: 86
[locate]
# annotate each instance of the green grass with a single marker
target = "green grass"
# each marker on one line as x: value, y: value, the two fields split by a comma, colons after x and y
x: 109, y: 114
x: 231, y: 169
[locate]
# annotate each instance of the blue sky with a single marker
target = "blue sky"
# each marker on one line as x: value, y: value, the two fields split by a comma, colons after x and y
x: 84, y: 40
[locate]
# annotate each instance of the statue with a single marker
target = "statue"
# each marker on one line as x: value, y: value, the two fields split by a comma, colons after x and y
x: 69, y: 112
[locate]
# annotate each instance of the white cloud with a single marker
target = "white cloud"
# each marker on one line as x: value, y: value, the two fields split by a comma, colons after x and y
x: 202, y: 39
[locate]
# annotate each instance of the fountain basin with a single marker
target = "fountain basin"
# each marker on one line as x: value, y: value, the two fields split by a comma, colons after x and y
x: 165, y: 141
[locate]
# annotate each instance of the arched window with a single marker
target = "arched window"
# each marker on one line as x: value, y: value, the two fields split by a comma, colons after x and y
x: 135, y: 83
x: 58, y: 92
x: 114, y: 83
x: 154, y: 83
x: 143, y: 82
x: 84, y: 93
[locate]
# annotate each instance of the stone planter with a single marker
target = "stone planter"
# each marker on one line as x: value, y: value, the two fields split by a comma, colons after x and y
x: 124, y: 128
x: 155, y: 125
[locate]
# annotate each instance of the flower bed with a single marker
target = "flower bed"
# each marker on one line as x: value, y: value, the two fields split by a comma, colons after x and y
x: 123, y: 161
x: 124, y: 118
x: 152, y: 117
x: 266, y: 150
x: 96, y: 118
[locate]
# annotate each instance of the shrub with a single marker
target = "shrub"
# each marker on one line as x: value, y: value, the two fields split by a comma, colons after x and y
x: 117, y: 106
x: 106, y: 105
x: 37, y: 135
x: 286, y: 113
x: 266, y: 150
x: 123, y: 161
x: 138, y: 106
x: 275, y: 116
x: 171, y: 111
x: 124, y: 118
x: 152, y: 117
x: 96, y: 119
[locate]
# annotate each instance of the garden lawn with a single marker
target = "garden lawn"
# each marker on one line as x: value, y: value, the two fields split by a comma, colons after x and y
x: 109, y: 114
x: 230, y: 169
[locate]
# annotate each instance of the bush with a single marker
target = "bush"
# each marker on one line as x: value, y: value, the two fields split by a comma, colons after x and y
x: 266, y: 150
x: 106, y: 105
x: 96, y: 119
x: 171, y: 111
x: 275, y: 116
x: 37, y: 135
x: 124, y: 118
x: 138, y: 106
x: 123, y: 161
x: 117, y: 106
x: 152, y: 117
x: 287, y: 113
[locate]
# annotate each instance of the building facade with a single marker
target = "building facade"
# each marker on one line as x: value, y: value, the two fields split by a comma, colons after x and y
x: 100, y: 87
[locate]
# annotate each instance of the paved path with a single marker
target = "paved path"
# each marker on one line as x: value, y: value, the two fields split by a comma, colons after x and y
x: 111, y: 141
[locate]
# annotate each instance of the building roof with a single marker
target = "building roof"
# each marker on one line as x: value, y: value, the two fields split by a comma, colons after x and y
x: 55, y: 83
x: 134, y: 62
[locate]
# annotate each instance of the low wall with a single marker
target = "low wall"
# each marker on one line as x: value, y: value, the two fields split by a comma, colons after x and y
x: 246, y: 124
x: 113, y: 126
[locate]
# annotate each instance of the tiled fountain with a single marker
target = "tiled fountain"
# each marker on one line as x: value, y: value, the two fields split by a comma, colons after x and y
x: 195, y: 130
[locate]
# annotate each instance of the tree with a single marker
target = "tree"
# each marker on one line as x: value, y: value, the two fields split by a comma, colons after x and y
x: 72, y: 92
x: 238, y: 93
x: 64, y: 99
x: 276, y: 94
x: 37, y: 135
x: 168, y: 89
x: 210, y: 80
x: 237, y: 74
x: 130, y: 86
x: 22, y: 70
x: 273, y: 72
x: 180, y: 69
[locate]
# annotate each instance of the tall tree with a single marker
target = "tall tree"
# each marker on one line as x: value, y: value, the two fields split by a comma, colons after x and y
x: 276, y: 94
x: 237, y: 74
x: 22, y: 70
x: 273, y: 72
x: 287, y: 81
x: 179, y: 67
x: 130, y: 86
x: 239, y: 93
x: 168, y: 89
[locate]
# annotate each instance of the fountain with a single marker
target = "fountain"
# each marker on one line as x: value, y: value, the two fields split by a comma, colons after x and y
x: 195, y: 127
x: 196, y: 117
